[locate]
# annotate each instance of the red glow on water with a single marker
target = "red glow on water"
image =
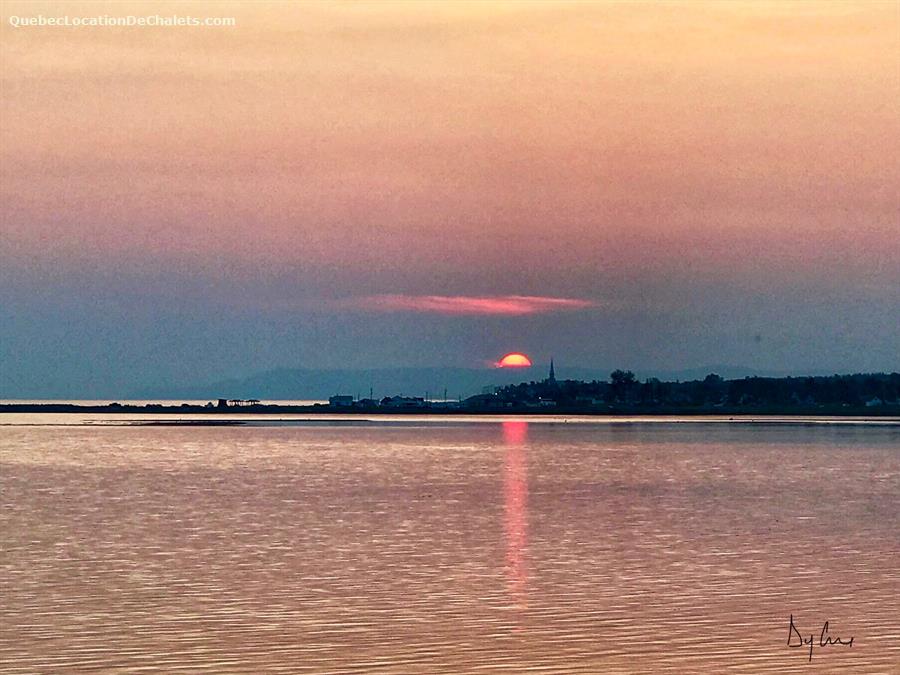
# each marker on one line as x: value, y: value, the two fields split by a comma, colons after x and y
x: 515, y: 492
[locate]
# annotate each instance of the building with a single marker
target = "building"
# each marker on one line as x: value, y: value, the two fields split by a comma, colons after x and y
x: 340, y: 401
x: 365, y: 403
x: 402, y: 402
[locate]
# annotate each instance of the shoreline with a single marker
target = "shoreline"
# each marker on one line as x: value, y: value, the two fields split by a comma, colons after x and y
x: 320, y: 409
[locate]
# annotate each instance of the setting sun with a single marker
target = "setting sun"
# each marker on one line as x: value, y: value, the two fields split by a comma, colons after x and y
x: 514, y: 360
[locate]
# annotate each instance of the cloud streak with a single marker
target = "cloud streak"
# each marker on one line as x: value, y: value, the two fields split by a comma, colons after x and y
x: 454, y: 305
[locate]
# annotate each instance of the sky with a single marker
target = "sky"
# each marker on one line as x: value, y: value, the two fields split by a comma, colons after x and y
x: 380, y: 184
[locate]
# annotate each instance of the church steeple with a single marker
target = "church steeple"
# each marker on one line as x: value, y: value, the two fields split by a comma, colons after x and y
x: 552, y: 378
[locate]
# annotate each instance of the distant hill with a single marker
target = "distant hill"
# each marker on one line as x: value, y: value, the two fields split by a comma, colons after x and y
x: 299, y: 383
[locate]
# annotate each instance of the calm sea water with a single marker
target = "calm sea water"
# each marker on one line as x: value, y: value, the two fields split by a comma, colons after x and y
x: 456, y: 546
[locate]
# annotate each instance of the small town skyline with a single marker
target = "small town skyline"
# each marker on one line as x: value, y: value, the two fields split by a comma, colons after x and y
x: 870, y: 394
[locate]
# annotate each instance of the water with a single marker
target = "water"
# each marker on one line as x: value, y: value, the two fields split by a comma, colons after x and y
x: 447, y: 545
x: 144, y: 402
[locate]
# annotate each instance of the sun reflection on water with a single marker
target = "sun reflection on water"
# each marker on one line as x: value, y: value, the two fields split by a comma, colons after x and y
x: 515, y: 491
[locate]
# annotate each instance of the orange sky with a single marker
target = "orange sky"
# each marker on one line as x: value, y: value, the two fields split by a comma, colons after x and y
x: 574, y: 150
x: 362, y: 133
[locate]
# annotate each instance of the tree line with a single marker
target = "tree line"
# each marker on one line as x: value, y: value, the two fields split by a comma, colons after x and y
x: 623, y: 388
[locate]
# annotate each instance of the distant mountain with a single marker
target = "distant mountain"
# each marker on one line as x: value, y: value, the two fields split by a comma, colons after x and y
x: 298, y: 383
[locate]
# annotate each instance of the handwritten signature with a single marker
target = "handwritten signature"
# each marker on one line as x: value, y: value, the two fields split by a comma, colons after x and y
x: 795, y: 639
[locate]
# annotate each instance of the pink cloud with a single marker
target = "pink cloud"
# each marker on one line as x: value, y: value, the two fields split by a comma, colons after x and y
x: 502, y: 305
